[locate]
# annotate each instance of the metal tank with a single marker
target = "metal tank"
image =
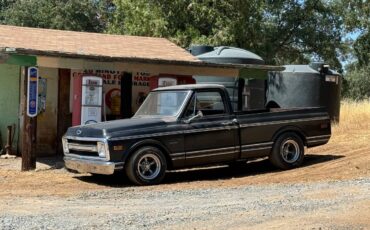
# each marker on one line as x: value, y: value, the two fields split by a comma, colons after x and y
x: 313, y: 85
x: 250, y: 90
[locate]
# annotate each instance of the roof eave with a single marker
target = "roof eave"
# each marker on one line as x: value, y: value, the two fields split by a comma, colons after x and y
x: 196, y: 63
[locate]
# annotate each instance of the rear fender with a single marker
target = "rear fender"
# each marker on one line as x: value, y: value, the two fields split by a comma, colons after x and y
x: 291, y: 128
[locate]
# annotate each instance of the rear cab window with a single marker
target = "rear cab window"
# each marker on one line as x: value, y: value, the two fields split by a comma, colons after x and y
x: 208, y: 102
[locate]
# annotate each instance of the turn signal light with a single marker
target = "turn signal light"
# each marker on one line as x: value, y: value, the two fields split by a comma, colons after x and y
x: 118, y: 148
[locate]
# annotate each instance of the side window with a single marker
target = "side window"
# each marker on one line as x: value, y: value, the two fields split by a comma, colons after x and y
x: 190, y: 110
x: 210, y: 103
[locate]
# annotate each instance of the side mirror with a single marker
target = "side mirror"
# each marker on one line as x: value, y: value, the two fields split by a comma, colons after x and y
x: 198, y: 115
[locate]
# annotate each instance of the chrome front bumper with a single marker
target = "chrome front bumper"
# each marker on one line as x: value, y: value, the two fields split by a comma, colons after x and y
x: 92, y: 166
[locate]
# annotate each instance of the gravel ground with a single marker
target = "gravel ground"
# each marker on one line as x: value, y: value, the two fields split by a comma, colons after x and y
x: 341, y: 204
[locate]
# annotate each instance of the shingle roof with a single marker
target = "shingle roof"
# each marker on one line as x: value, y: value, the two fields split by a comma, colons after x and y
x: 59, y: 42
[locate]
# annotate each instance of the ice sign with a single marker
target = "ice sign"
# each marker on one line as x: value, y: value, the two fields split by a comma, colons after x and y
x: 32, y: 91
x: 91, y: 82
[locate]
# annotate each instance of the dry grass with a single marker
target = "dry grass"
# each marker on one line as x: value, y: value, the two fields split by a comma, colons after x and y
x: 354, y: 116
x: 350, y: 141
x: 353, y: 130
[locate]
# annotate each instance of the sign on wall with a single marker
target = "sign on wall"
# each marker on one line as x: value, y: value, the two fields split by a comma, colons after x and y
x: 32, y: 91
x: 166, y: 81
x: 42, y: 94
x: 112, y: 87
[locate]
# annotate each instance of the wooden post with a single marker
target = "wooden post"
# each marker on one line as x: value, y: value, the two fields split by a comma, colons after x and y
x: 126, y: 95
x: 8, y: 147
x: 29, y: 133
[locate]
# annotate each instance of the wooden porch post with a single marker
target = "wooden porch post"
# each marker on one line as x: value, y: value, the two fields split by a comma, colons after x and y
x: 29, y: 133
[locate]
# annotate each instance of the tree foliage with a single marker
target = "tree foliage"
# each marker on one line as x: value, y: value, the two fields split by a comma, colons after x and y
x: 356, y: 16
x: 78, y: 15
x: 357, y: 83
x: 280, y: 31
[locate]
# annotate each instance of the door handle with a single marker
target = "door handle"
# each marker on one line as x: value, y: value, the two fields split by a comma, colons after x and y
x: 227, y: 123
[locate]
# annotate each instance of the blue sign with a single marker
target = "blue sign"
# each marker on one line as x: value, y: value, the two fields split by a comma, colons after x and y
x: 32, y: 91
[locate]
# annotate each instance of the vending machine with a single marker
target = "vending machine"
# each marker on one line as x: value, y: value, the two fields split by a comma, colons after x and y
x: 91, y: 100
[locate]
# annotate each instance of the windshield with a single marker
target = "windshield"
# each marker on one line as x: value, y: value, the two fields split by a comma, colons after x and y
x: 163, y: 103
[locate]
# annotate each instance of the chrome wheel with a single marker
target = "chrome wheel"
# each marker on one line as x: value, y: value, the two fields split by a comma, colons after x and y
x: 290, y: 151
x: 149, y: 166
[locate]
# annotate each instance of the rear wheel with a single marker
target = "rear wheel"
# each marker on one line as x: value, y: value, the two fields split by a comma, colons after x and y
x: 288, y: 151
x: 146, y: 166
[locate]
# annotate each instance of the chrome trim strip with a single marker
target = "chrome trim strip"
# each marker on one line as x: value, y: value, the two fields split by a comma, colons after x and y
x: 210, y: 151
x: 85, y: 138
x: 283, y: 121
x: 256, y: 149
x: 173, y: 133
x: 259, y: 144
x: 177, y: 154
x: 321, y: 140
x: 209, y: 129
x: 146, y: 135
x: 83, y: 157
x: 208, y: 155
x: 178, y: 158
x: 226, y: 119
x: 316, y: 137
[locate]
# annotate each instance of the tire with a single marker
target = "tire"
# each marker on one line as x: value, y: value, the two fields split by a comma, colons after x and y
x: 146, y: 166
x: 288, y: 151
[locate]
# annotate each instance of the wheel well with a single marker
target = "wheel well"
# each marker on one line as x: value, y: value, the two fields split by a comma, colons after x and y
x: 295, y: 130
x: 272, y: 104
x: 151, y: 144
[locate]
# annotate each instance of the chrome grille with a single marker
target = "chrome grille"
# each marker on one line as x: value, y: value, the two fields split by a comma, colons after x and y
x: 96, y: 148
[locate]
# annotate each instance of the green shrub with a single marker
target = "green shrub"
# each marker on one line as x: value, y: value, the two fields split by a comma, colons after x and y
x: 356, y: 83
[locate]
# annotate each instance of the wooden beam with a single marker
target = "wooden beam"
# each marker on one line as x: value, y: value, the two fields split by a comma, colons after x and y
x: 64, y: 116
x: 155, y: 66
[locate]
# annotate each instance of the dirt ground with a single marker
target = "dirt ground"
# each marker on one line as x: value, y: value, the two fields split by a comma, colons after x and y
x: 345, y: 157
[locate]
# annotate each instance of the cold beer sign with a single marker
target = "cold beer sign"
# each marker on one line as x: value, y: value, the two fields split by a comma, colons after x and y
x: 32, y: 91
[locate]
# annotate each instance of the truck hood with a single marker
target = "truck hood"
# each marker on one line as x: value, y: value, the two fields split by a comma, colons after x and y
x: 117, y: 127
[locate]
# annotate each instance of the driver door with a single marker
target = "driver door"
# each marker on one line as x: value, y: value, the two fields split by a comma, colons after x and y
x: 211, y: 136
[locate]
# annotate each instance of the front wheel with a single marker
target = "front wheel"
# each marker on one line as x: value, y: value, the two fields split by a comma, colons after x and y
x: 288, y: 151
x: 146, y: 166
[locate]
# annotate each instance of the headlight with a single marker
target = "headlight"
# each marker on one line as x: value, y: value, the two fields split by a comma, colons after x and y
x: 101, y: 149
x: 65, y: 145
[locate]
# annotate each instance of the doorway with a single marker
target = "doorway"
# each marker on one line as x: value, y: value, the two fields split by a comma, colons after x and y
x: 48, y: 112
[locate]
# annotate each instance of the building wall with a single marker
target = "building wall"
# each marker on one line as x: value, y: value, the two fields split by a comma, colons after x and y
x: 9, y: 101
x: 112, y: 85
x: 47, y: 117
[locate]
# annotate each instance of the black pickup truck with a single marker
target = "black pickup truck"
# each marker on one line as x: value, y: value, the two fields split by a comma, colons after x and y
x: 190, y: 125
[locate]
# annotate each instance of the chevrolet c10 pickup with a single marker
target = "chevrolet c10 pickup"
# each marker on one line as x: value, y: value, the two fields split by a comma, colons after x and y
x: 191, y: 125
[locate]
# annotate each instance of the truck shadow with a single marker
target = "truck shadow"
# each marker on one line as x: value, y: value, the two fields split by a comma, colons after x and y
x: 257, y: 167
